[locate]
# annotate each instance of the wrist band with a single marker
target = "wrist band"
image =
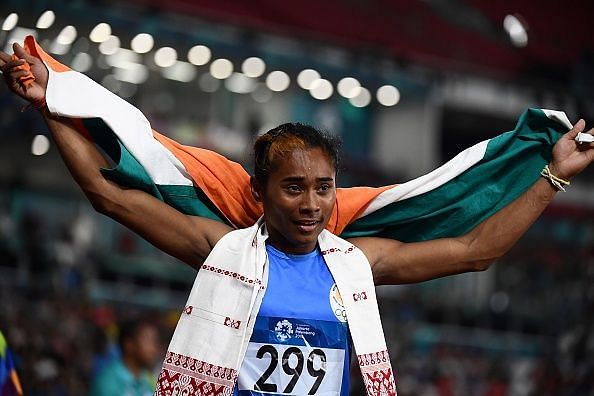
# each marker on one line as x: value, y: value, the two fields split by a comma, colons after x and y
x: 556, y: 181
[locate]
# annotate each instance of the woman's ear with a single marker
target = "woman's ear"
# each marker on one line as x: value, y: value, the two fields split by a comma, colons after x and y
x: 256, y: 189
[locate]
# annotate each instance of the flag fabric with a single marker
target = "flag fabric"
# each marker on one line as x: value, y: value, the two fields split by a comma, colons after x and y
x: 9, y: 380
x: 446, y: 202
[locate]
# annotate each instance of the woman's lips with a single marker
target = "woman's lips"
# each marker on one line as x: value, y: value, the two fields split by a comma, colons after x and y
x: 306, y: 226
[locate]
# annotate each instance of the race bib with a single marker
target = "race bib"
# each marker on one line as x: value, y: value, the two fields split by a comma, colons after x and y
x: 294, y: 357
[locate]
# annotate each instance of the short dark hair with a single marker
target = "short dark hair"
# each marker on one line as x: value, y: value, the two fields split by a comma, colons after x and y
x: 130, y: 329
x: 288, y: 137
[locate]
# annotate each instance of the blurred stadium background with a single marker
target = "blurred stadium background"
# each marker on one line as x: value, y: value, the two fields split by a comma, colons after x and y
x: 407, y: 84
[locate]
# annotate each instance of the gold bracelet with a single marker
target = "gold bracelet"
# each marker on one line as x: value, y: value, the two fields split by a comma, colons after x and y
x: 556, y: 181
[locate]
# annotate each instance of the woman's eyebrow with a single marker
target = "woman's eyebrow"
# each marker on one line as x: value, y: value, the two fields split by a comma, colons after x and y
x: 327, y: 178
x: 301, y: 178
x: 294, y: 178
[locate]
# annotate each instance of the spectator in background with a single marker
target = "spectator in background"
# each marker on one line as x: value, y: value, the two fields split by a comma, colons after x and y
x: 9, y: 380
x: 131, y: 375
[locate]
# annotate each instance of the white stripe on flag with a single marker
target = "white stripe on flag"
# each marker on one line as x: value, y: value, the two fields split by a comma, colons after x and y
x: 562, y: 118
x: 432, y: 180
x: 558, y: 116
x: 125, y: 120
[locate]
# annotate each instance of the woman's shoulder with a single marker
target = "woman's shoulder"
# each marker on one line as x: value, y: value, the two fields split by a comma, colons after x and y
x: 328, y: 237
x: 239, y: 238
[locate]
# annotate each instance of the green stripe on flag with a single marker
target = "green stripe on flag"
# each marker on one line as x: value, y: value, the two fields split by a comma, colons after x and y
x: 512, y: 163
x: 130, y: 173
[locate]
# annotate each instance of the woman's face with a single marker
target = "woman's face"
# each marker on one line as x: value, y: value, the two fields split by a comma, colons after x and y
x: 298, y: 199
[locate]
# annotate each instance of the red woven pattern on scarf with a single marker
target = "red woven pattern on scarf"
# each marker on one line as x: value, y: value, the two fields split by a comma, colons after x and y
x: 183, y: 375
x: 377, y: 374
x: 231, y: 274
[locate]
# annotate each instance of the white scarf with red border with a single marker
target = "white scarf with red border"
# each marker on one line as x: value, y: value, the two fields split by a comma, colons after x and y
x: 214, y: 329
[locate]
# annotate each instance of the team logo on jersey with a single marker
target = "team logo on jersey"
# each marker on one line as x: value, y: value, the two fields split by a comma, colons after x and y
x: 283, y: 330
x: 336, y: 304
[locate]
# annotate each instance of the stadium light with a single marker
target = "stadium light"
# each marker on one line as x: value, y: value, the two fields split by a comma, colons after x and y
x: 278, y: 81
x: 199, y: 55
x: 516, y: 30
x: 100, y: 33
x: 306, y: 78
x: 46, y: 20
x: 10, y: 22
x: 253, y: 67
x: 362, y: 98
x: 82, y: 62
x: 240, y: 83
x: 165, y: 57
x: 388, y: 95
x: 110, y: 46
x: 40, y: 145
x: 321, y: 89
x: 347, y: 87
x: 67, y: 35
x: 221, y: 68
x: 142, y: 43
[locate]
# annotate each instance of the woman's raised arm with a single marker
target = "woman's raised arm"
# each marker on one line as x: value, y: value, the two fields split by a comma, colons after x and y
x: 189, y: 238
x: 395, y: 262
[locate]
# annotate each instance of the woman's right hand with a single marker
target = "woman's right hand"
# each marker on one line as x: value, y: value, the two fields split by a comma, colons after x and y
x: 35, y: 91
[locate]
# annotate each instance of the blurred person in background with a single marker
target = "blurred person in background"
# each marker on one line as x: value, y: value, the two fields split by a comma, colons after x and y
x: 284, y: 195
x: 10, y: 384
x: 132, y: 373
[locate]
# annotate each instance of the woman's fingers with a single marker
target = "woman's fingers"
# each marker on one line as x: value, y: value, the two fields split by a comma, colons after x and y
x: 11, y: 65
x: 11, y: 70
x: 577, y: 128
x: 19, y: 73
x: 23, y: 54
x: 4, y: 58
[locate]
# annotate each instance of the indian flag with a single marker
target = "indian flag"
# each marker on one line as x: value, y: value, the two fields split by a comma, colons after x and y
x: 448, y: 201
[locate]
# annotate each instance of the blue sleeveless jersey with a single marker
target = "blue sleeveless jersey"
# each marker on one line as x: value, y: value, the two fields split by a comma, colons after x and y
x: 300, y: 343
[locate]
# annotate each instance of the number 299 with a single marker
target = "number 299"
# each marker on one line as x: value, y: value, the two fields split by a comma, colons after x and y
x: 295, y: 372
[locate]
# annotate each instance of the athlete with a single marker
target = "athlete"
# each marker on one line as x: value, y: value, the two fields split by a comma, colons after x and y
x: 298, y: 342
